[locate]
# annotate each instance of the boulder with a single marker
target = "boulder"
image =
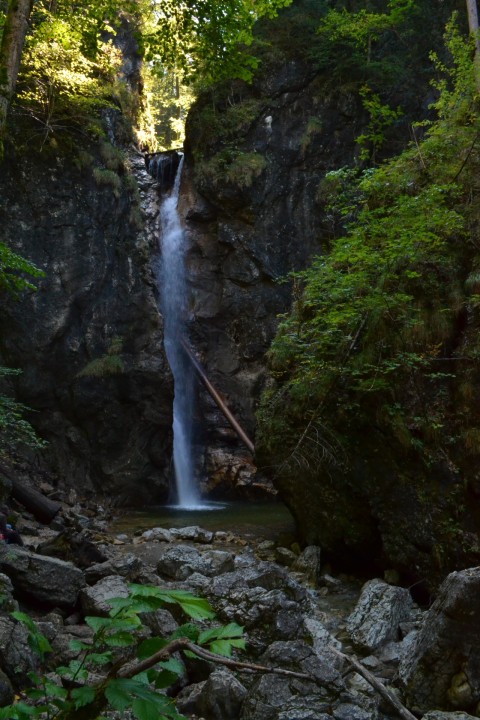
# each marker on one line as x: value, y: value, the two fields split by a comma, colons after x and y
x: 266, y: 575
x: 48, y: 580
x: 95, y: 599
x: 377, y: 616
x: 221, y: 697
x: 180, y: 561
x: 158, y: 533
x: 308, y: 563
x: 273, y: 697
x: 126, y: 566
x: 193, y: 533
x: 442, y: 668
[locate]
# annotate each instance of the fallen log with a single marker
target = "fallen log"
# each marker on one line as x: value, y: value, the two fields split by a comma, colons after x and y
x: 218, y: 399
x: 39, y: 505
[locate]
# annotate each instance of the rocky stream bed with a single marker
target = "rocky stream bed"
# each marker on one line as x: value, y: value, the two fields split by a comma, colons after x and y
x: 295, y: 614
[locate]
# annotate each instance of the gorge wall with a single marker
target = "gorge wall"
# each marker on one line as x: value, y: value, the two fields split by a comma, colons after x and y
x: 89, y: 340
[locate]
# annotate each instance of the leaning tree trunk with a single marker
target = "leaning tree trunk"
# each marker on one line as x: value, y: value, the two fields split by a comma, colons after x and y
x: 473, y: 27
x: 14, y: 31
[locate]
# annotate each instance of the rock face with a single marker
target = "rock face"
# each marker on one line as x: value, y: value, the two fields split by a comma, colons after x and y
x: 248, y: 230
x: 89, y: 340
x: 442, y: 667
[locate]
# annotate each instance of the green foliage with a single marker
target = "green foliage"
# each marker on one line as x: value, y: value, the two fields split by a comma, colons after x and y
x: 381, y: 310
x: 363, y: 28
x: 14, y: 429
x: 64, y: 83
x: 207, y: 38
x: 381, y: 117
x: 232, y: 166
x: 13, y: 269
x: 111, y: 363
x: 142, y: 692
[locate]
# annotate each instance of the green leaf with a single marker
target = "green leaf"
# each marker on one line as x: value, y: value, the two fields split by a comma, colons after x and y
x: 99, y: 658
x: 78, y: 645
x: 145, y: 710
x: 83, y: 696
x: 120, y: 639
x: 118, y: 695
x: 232, y: 630
x: 224, y: 647
x: 150, y: 647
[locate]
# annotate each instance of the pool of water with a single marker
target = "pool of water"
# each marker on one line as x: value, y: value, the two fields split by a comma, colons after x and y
x: 270, y: 520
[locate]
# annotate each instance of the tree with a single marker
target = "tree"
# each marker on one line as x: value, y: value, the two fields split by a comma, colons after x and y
x: 11, y: 48
x: 473, y: 27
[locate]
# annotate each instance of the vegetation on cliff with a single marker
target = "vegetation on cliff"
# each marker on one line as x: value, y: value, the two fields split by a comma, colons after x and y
x: 373, y: 373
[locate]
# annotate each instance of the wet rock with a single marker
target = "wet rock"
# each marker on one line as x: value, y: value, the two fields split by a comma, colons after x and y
x: 48, y: 580
x: 94, y: 599
x: 181, y: 561
x: 161, y: 534
x: 193, y: 534
x: 126, y: 566
x: 377, y: 616
x: 441, y: 670
x: 221, y: 696
x: 308, y: 563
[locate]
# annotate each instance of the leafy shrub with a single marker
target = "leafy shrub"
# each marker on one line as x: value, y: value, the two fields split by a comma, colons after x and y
x: 138, y: 684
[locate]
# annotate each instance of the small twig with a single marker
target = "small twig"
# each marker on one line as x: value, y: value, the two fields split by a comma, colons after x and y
x: 134, y: 668
x: 386, y: 694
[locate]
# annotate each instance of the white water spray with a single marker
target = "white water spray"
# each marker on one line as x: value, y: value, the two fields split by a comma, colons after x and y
x: 173, y: 297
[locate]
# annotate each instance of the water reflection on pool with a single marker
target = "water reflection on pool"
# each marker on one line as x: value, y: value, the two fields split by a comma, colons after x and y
x: 268, y: 519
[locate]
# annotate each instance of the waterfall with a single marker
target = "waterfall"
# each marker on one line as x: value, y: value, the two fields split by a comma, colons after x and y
x: 173, y: 302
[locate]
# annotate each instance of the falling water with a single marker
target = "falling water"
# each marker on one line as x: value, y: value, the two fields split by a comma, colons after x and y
x: 173, y: 297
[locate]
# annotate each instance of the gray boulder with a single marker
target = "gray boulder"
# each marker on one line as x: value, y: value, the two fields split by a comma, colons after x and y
x: 273, y: 697
x: 158, y: 533
x: 48, y: 580
x: 442, y: 668
x: 125, y: 565
x: 266, y: 575
x: 95, y: 599
x: 377, y: 616
x: 221, y: 697
x: 180, y: 561
x: 193, y: 533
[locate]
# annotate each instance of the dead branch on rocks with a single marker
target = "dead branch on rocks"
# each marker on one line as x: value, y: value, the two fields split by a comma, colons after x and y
x: 132, y: 669
x: 382, y: 690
